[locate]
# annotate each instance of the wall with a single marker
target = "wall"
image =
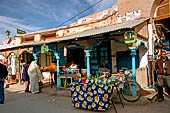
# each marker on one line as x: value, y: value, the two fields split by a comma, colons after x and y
x: 119, y: 46
x: 125, y: 10
x: 147, y: 7
x: 141, y: 76
x: 142, y: 51
x: 115, y: 46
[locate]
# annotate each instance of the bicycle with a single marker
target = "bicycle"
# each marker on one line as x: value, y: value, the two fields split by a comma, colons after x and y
x: 130, y: 90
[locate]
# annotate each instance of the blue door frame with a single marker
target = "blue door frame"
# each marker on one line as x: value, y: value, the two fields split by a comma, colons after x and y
x: 124, y: 59
x: 100, y: 52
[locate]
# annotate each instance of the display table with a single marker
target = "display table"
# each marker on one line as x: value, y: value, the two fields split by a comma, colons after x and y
x: 91, y: 96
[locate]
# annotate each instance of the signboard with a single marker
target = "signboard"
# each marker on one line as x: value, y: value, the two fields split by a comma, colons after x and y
x: 130, y: 37
x: 166, y: 45
x: 19, y: 31
x: 44, y: 49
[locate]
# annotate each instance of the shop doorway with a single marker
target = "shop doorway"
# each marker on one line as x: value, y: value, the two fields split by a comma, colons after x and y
x: 76, y: 55
x: 100, y: 53
x: 124, y: 59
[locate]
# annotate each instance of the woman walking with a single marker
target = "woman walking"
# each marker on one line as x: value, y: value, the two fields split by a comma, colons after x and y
x: 25, y: 77
x: 35, y: 75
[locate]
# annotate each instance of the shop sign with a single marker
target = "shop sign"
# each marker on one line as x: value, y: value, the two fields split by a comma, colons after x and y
x: 165, y: 45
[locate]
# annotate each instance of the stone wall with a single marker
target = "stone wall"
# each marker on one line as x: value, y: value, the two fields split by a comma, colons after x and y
x: 147, y: 7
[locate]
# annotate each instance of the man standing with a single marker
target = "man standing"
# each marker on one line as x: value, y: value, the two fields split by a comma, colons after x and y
x: 3, y: 75
x: 162, y: 67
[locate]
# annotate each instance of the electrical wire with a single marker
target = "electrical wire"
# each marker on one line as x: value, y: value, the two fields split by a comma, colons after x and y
x: 79, y: 13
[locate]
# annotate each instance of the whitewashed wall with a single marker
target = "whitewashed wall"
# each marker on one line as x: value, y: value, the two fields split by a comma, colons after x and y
x: 115, y: 47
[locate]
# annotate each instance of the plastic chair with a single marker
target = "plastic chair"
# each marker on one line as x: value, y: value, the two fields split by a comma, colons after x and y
x: 68, y: 77
x: 60, y: 80
x: 65, y: 80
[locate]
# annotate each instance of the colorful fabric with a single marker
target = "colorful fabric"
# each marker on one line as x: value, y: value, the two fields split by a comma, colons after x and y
x: 91, y: 96
x: 25, y: 76
x: 27, y: 83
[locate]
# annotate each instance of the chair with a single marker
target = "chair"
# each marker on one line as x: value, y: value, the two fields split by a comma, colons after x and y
x: 60, y: 80
x: 65, y: 77
x: 68, y: 77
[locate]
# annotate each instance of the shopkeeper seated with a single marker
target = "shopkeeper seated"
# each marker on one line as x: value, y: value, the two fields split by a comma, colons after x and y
x: 73, y: 66
x: 103, y: 69
x: 70, y: 68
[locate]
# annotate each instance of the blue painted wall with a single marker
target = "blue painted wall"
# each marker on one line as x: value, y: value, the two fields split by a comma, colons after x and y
x: 63, y: 61
x: 124, y: 59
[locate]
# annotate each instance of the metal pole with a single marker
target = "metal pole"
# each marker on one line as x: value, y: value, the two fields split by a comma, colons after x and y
x: 149, y: 72
x: 35, y: 57
x: 58, y: 69
x: 133, y: 53
x: 19, y: 59
x: 88, y: 63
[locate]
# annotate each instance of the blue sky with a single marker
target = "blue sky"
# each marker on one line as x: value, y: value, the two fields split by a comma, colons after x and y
x: 36, y: 15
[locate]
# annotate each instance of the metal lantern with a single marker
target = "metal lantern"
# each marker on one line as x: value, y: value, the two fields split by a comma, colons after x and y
x: 44, y: 49
x: 130, y: 37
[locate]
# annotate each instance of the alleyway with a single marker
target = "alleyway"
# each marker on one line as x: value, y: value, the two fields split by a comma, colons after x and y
x: 19, y: 102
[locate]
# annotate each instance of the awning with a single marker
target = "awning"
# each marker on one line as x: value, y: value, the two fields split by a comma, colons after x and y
x: 9, y: 46
x: 93, y: 32
x: 100, y: 30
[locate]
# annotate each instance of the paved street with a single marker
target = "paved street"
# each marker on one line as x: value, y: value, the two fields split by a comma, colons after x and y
x: 19, y: 102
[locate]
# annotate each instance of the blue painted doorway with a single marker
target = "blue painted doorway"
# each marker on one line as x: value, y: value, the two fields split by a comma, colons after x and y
x: 100, y: 53
x: 124, y: 59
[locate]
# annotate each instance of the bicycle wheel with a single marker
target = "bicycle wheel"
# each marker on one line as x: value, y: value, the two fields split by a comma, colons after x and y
x: 131, y: 91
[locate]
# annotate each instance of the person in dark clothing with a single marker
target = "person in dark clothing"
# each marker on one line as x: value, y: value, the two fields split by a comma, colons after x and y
x: 25, y: 77
x: 162, y: 68
x: 3, y: 75
x: 104, y: 65
x: 104, y: 70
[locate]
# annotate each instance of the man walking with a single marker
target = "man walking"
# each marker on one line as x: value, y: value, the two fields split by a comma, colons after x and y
x: 162, y: 67
x: 3, y: 75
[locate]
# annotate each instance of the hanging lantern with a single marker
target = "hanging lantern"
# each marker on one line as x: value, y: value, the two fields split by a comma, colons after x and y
x: 44, y: 49
x: 130, y: 37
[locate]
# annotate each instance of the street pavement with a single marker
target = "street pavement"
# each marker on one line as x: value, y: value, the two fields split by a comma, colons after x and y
x: 17, y: 101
